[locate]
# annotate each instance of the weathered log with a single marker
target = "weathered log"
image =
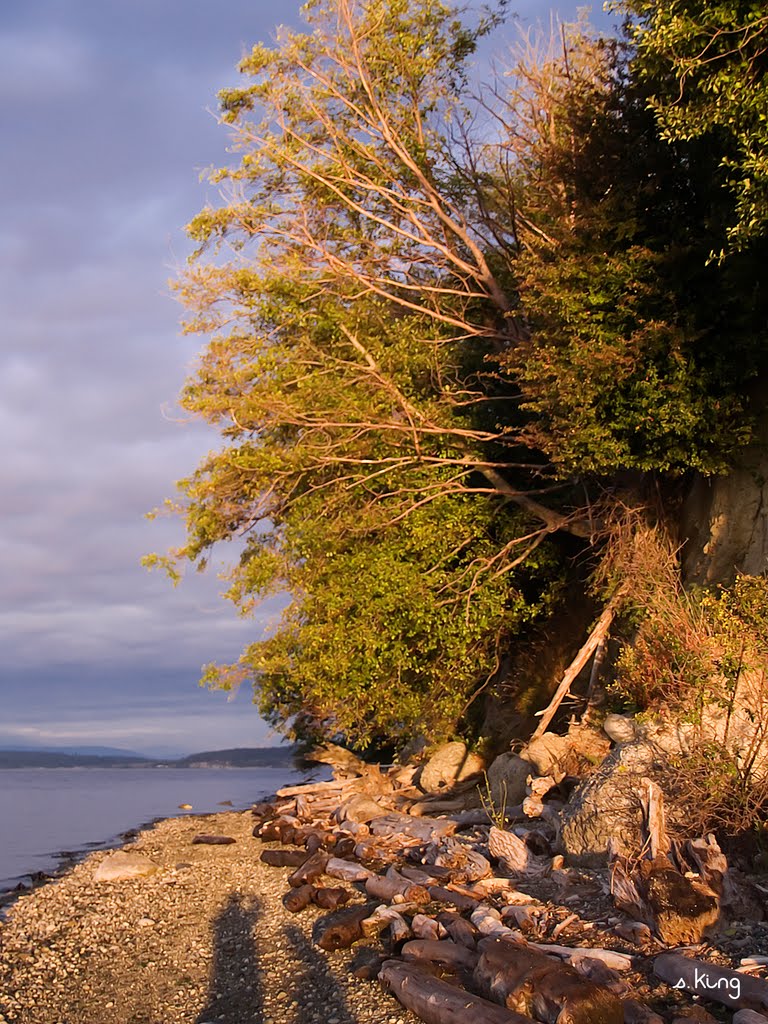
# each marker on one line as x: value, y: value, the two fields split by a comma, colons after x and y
x: 652, y: 803
x: 634, y: 931
x: 312, y: 868
x: 637, y: 1013
x: 425, y: 876
x: 386, y: 917
x: 437, y: 1002
x: 428, y: 928
x: 712, y: 865
x: 330, y: 898
x: 306, y: 788
x: 524, y: 917
x: 679, y: 909
x: 385, y: 888
x: 283, y: 858
x: 341, y: 929
x: 344, y: 847
x: 346, y: 870
x: 595, y: 638
x: 425, y: 829
x: 298, y: 899
x: 212, y: 840
x: 458, y: 929
x: 720, y: 984
x: 443, y: 951
x: 276, y: 831
x: 593, y: 969
x: 488, y: 922
x: 617, y: 961
x: 526, y: 980
x: 457, y: 899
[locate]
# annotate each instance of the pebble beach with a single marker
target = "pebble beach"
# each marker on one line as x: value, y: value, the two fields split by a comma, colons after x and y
x: 203, y: 939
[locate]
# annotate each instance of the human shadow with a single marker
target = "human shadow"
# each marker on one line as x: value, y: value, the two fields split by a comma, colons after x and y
x: 236, y: 994
x: 314, y: 989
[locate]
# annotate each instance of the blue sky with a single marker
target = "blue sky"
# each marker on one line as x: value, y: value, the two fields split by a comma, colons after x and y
x: 105, y: 117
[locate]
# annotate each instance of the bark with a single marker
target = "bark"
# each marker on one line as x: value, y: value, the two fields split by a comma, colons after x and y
x: 340, y: 930
x: 443, y: 951
x: 526, y: 980
x: 283, y: 858
x: 720, y: 984
x: 437, y: 1002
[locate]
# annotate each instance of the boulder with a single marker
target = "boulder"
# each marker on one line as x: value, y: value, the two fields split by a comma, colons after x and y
x: 620, y: 728
x: 507, y: 779
x: 124, y: 864
x: 450, y: 764
x: 607, y: 805
x: 549, y: 754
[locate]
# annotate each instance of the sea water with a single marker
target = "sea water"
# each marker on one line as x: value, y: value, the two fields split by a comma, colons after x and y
x: 45, y: 812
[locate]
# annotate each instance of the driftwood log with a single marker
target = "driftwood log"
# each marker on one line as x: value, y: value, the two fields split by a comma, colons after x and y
x: 525, y: 980
x: 311, y: 869
x: 298, y: 899
x: 340, y: 930
x: 720, y: 984
x: 444, y: 951
x: 283, y: 858
x: 437, y: 1002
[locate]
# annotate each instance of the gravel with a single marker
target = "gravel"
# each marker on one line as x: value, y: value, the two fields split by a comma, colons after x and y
x: 204, y: 939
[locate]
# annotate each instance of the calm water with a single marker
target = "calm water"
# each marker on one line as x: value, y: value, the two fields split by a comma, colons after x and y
x: 44, y: 811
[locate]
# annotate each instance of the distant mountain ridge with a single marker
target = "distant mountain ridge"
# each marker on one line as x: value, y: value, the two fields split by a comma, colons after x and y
x: 236, y: 757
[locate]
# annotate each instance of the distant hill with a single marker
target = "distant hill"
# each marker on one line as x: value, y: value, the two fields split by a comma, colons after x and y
x: 55, y: 759
x: 237, y: 757
x: 38, y: 748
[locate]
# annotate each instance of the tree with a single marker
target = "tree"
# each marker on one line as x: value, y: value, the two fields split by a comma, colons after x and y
x: 639, y: 354
x: 707, y: 64
x: 371, y: 466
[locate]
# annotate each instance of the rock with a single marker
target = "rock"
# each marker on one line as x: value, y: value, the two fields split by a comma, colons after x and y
x: 203, y: 839
x: 124, y: 864
x: 620, y: 728
x: 185, y: 807
x: 507, y: 779
x: 548, y: 754
x: 607, y: 804
x: 450, y: 764
x: 360, y: 808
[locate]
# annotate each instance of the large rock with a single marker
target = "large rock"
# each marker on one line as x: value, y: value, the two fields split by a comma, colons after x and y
x: 549, y: 754
x: 607, y: 805
x: 450, y: 764
x: 124, y: 864
x: 507, y: 779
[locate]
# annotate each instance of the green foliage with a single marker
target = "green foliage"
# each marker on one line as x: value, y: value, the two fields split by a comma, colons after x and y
x: 349, y: 375
x: 639, y: 354
x: 415, y: 333
x: 706, y: 64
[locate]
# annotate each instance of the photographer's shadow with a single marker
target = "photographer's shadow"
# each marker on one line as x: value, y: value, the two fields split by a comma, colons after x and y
x: 236, y: 988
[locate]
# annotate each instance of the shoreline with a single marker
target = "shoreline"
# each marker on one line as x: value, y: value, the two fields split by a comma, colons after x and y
x: 61, y: 859
x: 204, y: 938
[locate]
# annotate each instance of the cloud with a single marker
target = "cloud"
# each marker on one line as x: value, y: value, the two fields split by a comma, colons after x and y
x: 38, y: 65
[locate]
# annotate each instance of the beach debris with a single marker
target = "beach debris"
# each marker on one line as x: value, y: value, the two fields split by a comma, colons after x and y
x: 185, y: 807
x: 204, y: 839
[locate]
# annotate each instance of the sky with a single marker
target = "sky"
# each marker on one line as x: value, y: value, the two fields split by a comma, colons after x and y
x: 107, y: 123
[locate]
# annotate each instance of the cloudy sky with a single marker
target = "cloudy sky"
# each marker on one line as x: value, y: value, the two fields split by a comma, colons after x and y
x: 106, y: 126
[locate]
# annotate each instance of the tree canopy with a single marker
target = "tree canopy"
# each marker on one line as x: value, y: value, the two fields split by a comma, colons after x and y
x: 444, y: 328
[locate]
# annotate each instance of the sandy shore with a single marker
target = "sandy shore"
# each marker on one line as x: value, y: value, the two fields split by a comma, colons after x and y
x: 206, y: 938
